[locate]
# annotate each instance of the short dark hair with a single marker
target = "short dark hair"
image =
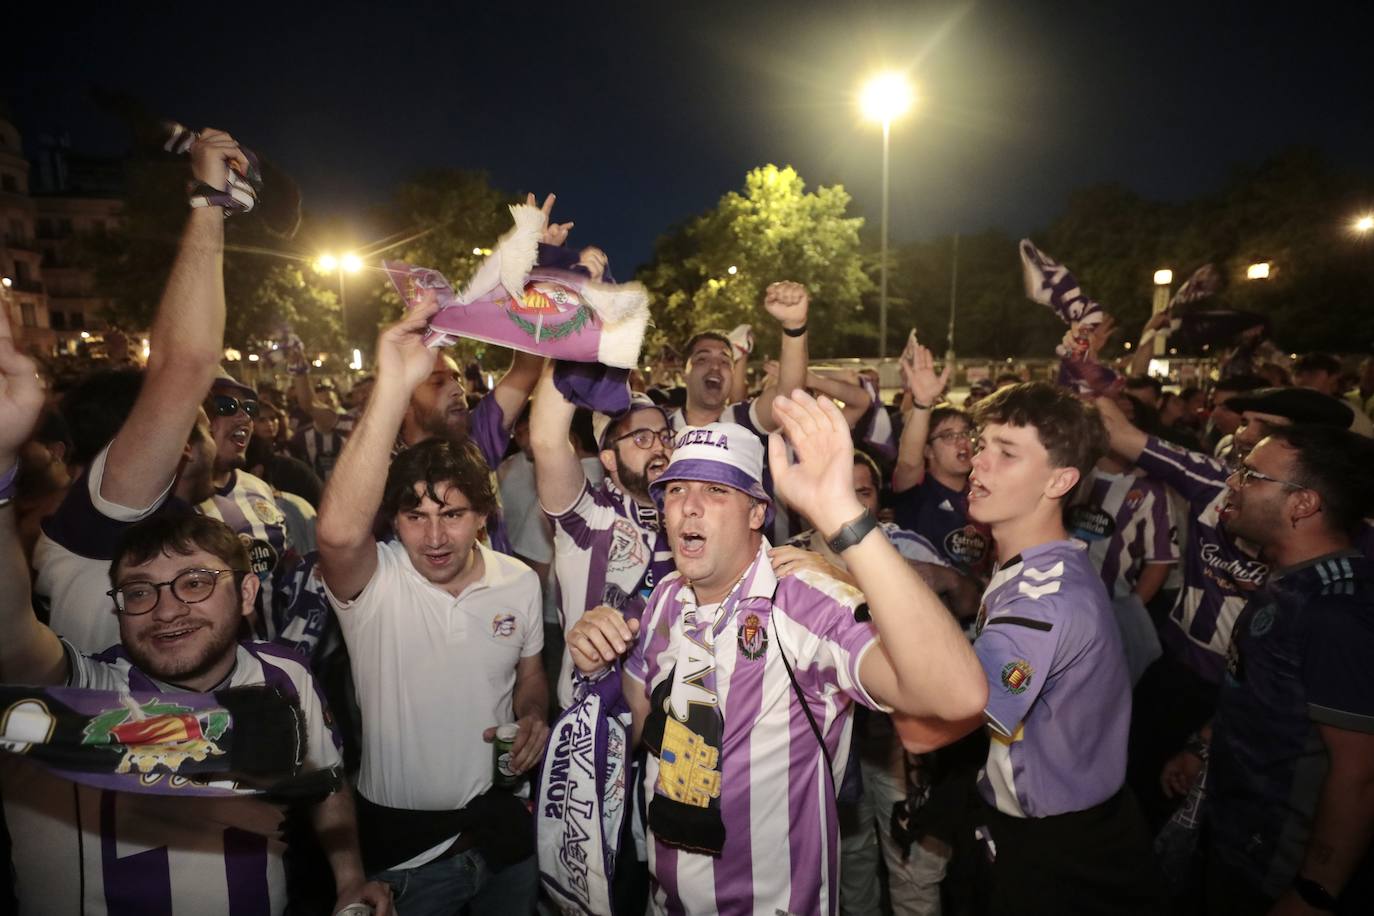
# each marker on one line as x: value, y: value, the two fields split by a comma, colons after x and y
x: 96, y: 407
x: 1070, y: 431
x: 947, y: 412
x: 699, y: 336
x: 1145, y: 381
x: 1317, y: 362
x: 1334, y: 462
x: 863, y: 458
x: 436, y: 461
x: 181, y: 533
x: 1240, y: 384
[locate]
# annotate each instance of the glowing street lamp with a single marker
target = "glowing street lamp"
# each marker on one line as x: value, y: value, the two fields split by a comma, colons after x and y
x: 1258, y: 271
x: 347, y: 263
x: 1164, y: 276
x: 885, y: 97
x: 1364, y: 224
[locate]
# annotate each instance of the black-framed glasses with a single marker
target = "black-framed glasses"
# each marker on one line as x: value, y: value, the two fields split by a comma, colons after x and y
x: 191, y: 586
x: 1244, y: 474
x: 954, y: 435
x: 644, y: 437
x: 227, y: 406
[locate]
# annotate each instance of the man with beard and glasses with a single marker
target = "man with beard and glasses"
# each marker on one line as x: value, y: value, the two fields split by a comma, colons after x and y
x: 609, y: 547
x: 151, y: 456
x: 742, y: 684
x: 930, y: 480
x: 1290, y: 760
x: 182, y: 590
x: 1178, y: 693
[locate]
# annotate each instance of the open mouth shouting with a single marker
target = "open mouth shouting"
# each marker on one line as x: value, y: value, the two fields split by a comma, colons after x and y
x: 714, y: 382
x: 691, y: 544
x: 240, y: 436
x: 656, y: 466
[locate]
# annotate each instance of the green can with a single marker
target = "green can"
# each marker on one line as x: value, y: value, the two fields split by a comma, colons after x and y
x: 502, y: 773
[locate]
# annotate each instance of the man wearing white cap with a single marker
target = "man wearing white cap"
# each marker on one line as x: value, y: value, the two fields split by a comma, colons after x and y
x: 741, y: 683
x: 608, y: 546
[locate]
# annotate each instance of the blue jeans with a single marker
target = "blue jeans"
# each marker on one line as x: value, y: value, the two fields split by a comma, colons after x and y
x: 443, y: 887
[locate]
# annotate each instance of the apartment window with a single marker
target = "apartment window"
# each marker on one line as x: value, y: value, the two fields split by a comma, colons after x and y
x: 30, y: 314
x: 58, y: 320
x: 21, y: 271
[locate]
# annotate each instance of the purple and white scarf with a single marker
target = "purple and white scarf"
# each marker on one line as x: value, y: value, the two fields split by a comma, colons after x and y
x: 1050, y: 283
x: 513, y: 301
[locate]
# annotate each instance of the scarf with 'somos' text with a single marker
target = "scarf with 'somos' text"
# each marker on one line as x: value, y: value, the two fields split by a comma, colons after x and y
x: 238, y: 741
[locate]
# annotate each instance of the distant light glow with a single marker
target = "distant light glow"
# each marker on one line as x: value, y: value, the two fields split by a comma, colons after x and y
x: 327, y: 263
x: 6, y: 282
x: 1258, y: 271
x: 732, y: 270
x: 232, y: 355
x: 318, y: 363
x: 252, y: 357
x: 1364, y: 223
x: 1127, y: 345
x: 357, y: 359
x: 85, y: 335
x: 477, y: 251
x: 351, y: 263
x: 1159, y: 367
x: 146, y: 348
x: 885, y: 97
x: 1164, y: 276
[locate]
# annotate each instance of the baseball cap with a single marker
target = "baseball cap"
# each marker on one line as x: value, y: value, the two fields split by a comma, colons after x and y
x: 602, y: 422
x: 717, y: 453
x: 224, y: 381
x: 1300, y: 405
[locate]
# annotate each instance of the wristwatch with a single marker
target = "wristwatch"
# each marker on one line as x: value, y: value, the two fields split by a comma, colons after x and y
x: 852, y: 533
x: 1314, y: 895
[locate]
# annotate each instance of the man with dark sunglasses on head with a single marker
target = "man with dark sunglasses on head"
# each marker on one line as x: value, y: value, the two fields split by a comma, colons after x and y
x: 609, y: 548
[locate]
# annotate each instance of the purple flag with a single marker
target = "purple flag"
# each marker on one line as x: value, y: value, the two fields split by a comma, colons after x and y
x: 513, y: 302
x: 1050, y: 283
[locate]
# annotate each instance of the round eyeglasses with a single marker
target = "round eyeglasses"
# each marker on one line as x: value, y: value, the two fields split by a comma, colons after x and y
x: 191, y: 586
x: 644, y: 438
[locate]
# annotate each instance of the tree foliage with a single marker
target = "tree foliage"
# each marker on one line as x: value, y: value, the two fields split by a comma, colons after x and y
x: 774, y: 229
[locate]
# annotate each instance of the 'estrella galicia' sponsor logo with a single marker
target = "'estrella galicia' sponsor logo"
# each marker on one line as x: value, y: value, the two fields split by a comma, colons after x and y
x: 1089, y: 523
x: 966, y: 545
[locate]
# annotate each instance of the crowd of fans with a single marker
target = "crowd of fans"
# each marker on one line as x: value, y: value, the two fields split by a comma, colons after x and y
x: 1030, y: 652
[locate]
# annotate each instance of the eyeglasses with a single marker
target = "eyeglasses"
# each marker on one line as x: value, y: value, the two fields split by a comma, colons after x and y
x: 226, y: 406
x: 1244, y: 474
x: 644, y: 438
x: 191, y: 586
x: 952, y: 435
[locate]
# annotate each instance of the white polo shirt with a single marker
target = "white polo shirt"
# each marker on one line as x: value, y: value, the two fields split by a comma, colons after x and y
x: 433, y: 672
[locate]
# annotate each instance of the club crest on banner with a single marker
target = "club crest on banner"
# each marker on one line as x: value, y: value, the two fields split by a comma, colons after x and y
x: 157, y: 734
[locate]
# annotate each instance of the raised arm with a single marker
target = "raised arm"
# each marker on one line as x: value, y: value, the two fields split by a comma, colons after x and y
x: 923, y: 390
x: 788, y: 302
x: 513, y: 389
x: 558, y: 474
x: 30, y: 653
x: 348, y: 553
x: 1124, y: 439
x: 183, y: 347
x: 923, y: 665
x: 841, y: 386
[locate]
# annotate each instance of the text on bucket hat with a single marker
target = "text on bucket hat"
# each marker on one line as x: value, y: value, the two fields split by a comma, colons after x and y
x: 718, y: 453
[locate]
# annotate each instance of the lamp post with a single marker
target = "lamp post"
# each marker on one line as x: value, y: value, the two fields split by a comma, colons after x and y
x: 884, y: 98
x: 347, y: 263
x: 1164, y: 278
x: 1363, y: 224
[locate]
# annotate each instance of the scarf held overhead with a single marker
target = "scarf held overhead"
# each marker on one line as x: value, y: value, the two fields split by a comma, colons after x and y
x: 512, y: 301
x: 1051, y: 284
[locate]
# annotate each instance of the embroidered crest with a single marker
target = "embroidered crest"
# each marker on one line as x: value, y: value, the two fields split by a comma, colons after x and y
x: 503, y: 625
x: 266, y: 510
x: 753, y: 638
x: 1016, y: 676
x: 1263, y: 621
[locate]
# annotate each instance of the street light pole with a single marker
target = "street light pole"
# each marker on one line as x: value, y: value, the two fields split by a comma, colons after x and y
x: 882, y: 267
x: 953, y: 296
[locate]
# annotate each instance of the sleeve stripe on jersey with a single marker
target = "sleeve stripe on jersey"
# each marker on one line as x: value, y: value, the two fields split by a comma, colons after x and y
x: 1339, y: 718
x: 1043, y: 625
x: 996, y: 725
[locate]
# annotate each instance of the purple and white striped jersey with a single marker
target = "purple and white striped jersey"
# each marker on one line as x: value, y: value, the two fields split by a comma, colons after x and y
x: 1126, y: 522
x: 84, y: 850
x: 781, y: 851
x: 1218, y: 573
x: 248, y: 505
x: 1059, y: 695
x: 607, y: 549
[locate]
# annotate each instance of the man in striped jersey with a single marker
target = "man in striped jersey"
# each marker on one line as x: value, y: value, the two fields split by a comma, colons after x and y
x: 609, y: 548
x: 1291, y: 755
x: 741, y: 684
x: 182, y: 589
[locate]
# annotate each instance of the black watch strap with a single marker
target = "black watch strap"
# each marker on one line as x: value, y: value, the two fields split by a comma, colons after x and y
x: 1314, y: 895
x: 852, y: 533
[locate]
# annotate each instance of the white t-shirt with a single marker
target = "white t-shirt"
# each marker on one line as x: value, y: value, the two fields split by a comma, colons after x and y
x: 432, y: 673
x: 79, y: 849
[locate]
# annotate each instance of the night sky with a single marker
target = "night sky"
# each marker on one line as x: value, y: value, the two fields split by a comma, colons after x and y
x: 641, y: 115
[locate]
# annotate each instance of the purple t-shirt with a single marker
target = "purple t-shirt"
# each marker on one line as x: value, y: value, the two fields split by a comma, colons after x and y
x: 1059, y: 693
x: 1218, y: 573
